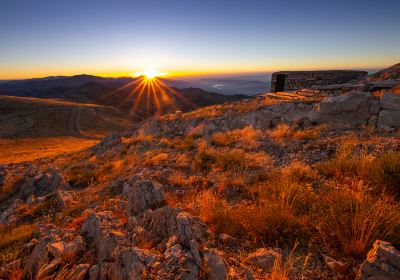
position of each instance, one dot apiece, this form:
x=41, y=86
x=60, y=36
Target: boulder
x=110, y=141
x=214, y=265
x=346, y=110
x=265, y=258
x=341, y=269
x=128, y=265
x=383, y=262
x=145, y=194
x=42, y=184
x=390, y=101
x=389, y=119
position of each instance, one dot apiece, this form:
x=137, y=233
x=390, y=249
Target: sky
x=119, y=37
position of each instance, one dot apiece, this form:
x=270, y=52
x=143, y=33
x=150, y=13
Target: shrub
x=347, y=163
x=231, y=159
x=309, y=133
x=80, y=176
x=204, y=159
x=216, y=211
x=351, y=222
x=246, y=137
x=385, y=172
x=280, y=132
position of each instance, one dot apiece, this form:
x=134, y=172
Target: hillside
x=34, y=127
x=390, y=73
x=257, y=189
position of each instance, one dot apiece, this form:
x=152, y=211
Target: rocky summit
x=296, y=185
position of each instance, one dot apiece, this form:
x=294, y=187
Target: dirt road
x=72, y=125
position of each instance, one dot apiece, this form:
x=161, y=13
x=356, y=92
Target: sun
x=149, y=74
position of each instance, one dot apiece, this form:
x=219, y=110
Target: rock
x=341, y=269
x=63, y=199
x=107, y=245
x=42, y=184
x=375, y=107
x=145, y=194
x=265, y=258
x=128, y=265
x=214, y=265
x=389, y=119
x=8, y=215
x=247, y=272
x=94, y=272
x=383, y=262
x=390, y=101
x=3, y=174
x=110, y=141
x=35, y=256
x=346, y=110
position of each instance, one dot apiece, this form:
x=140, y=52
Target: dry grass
x=157, y=159
x=247, y=137
x=348, y=162
x=312, y=133
x=12, y=238
x=281, y=132
x=351, y=222
x=28, y=149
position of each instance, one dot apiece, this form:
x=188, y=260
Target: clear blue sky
x=54, y=37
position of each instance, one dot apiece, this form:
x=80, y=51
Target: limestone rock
x=41, y=184
x=341, y=269
x=110, y=141
x=389, y=119
x=383, y=262
x=265, y=258
x=390, y=101
x=347, y=110
x=128, y=265
x=145, y=194
x=215, y=265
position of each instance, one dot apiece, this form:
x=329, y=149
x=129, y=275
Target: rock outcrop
x=383, y=262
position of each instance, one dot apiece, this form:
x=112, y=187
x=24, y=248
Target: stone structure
x=295, y=80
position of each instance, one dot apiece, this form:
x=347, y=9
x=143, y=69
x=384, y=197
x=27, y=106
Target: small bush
x=80, y=176
x=204, y=159
x=217, y=213
x=385, y=172
x=351, y=222
x=246, y=137
x=347, y=163
x=312, y=133
x=280, y=132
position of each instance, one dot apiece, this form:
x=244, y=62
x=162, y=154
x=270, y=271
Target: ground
x=224, y=191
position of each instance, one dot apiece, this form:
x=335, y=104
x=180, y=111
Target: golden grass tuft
x=247, y=137
x=351, y=222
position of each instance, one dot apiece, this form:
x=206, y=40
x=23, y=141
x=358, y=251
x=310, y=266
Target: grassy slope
x=32, y=128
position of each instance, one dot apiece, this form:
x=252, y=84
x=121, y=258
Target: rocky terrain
x=295, y=187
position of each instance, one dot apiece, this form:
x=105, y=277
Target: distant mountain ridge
x=125, y=93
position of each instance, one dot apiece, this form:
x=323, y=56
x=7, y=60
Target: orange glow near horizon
x=150, y=92
x=187, y=71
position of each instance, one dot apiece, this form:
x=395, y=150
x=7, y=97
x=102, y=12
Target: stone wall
x=295, y=80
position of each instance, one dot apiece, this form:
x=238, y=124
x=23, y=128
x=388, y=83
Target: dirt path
x=72, y=125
